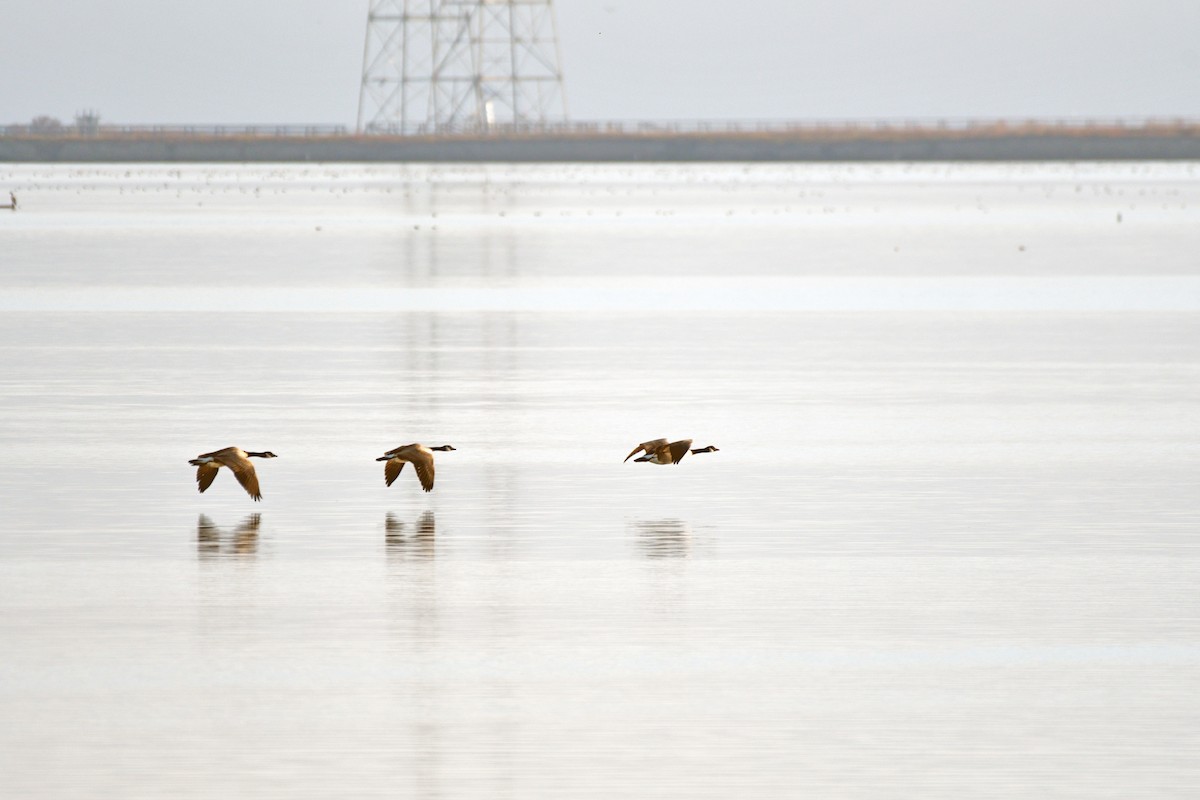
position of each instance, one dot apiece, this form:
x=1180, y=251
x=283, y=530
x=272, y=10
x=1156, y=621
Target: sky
x=252, y=61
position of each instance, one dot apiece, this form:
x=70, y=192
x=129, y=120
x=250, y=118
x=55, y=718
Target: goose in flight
x=660, y=451
x=420, y=456
x=238, y=460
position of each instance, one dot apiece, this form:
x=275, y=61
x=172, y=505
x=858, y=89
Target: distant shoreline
x=994, y=142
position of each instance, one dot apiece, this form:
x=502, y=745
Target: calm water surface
x=948, y=547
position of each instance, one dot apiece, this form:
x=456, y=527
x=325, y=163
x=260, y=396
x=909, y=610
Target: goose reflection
x=664, y=538
x=418, y=540
x=242, y=542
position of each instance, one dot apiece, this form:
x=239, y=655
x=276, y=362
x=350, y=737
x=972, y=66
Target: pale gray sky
x=229, y=61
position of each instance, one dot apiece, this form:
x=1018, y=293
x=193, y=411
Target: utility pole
x=460, y=66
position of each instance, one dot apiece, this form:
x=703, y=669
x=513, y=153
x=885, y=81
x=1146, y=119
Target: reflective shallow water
x=946, y=548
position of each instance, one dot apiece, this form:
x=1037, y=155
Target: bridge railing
x=1063, y=125
x=205, y=131
x=812, y=126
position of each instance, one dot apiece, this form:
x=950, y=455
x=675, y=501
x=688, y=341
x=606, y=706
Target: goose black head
x=709, y=449
x=444, y=448
x=267, y=454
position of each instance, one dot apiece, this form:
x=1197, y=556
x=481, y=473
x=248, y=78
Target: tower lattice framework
x=460, y=66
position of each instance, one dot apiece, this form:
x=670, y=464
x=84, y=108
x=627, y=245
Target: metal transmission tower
x=453, y=66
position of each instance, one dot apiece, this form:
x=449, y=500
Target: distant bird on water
x=237, y=460
x=420, y=456
x=660, y=451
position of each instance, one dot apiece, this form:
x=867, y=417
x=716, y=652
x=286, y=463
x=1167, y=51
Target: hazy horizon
x=225, y=62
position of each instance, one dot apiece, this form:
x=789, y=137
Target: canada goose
x=660, y=451
x=420, y=456
x=237, y=460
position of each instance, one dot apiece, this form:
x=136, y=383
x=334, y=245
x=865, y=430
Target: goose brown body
x=420, y=456
x=660, y=451
x=237, y=460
